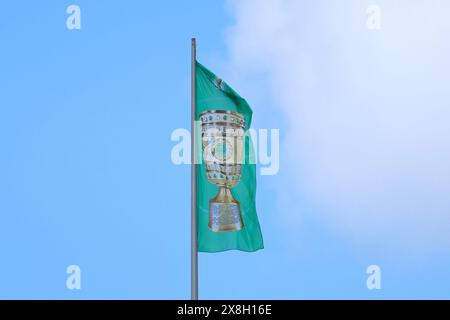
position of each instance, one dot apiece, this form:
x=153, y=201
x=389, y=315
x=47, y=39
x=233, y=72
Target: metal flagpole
x=194, y=253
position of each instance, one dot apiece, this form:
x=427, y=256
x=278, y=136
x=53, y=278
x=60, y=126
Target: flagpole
x=194, y=252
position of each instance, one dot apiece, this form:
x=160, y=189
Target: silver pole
x=194, y=253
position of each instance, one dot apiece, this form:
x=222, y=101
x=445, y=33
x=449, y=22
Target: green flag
x=226, y=176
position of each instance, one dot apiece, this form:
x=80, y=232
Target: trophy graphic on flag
x=223, y=145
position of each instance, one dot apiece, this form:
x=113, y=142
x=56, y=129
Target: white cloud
x=367, y=113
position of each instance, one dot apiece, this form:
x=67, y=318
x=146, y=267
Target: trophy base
x=224, y=213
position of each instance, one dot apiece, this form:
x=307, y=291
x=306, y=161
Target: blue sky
x=86, y=176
